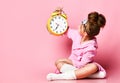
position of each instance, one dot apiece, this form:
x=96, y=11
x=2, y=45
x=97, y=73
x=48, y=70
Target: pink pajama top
x=82, y=53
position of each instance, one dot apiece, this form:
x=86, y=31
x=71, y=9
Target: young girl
x=80, y=63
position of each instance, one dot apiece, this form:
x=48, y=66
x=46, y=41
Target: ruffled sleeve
x=72, y=34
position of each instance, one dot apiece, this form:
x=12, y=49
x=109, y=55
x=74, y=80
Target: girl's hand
x=58, y=9
x=66, y=31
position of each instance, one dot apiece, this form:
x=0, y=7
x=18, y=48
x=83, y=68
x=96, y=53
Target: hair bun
x=101, y=20
x=93, y=17
x=96, y=18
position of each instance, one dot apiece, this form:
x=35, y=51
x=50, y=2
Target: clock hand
x=56, y=26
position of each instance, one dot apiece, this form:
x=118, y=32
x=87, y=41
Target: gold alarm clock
x=57, y=23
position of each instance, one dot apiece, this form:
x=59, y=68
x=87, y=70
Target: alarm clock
x=57, y=23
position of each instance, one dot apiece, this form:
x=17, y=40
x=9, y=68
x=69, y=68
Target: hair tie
x=84, y=21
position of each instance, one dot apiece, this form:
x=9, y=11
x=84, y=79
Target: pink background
x=28, y=51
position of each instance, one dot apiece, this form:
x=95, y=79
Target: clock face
x=58, y=24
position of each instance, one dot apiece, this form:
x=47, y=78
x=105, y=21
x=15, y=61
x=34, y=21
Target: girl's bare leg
x=86, y=71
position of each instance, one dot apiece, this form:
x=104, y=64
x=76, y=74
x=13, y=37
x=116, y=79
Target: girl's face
x=82, y=28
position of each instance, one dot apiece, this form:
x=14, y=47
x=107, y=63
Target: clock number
x=52, y=19
x=59, y=17
x=56, y=31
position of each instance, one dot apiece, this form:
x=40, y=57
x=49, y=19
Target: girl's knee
x=64, y=60
x=59, y=65
x=58, y=61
